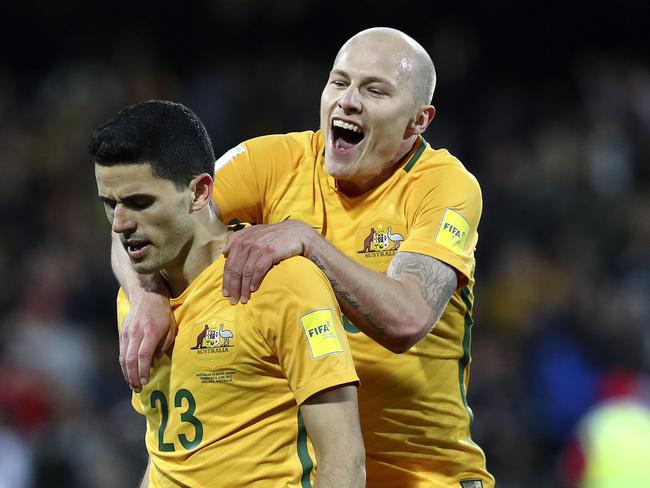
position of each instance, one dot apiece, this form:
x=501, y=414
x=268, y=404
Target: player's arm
x=331, y=418
x=149, y=323
x=396, y=309
x=145, y=477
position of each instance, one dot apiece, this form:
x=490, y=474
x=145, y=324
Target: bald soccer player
x=393, y=224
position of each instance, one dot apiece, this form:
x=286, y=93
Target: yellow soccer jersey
x=222, y=409
x=414, y=414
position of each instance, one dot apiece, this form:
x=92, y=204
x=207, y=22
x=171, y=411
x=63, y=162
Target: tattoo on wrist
x=345, y=296
x=317, y=262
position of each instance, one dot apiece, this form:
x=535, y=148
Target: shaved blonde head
x=409, y=55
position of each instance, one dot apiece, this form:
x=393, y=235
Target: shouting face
x=371, y=111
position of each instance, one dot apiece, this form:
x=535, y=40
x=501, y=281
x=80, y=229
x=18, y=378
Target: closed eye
x=138, y=202
x=133, y=202
x=108, y=203
x=377, y=91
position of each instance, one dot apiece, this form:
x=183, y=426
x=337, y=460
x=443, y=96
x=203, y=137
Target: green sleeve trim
x=303, y=454
x=467, y=340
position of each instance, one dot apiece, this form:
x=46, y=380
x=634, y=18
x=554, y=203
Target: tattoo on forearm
x=345, y=297
x=437, y=280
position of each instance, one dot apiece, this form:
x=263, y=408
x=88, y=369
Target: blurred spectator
x=611, y=447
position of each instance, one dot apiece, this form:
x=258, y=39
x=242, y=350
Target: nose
x=350, y=100
x=123, y=221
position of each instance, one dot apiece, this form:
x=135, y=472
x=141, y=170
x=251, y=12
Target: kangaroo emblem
x=368, y=242
x=200, y=337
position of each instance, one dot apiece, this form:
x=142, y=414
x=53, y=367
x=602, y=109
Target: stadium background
x=547, y=103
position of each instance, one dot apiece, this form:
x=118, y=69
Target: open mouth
x=346, y=135
x=136, y=249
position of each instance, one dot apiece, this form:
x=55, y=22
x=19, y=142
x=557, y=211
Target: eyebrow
x=367, y=79
x=127, y=199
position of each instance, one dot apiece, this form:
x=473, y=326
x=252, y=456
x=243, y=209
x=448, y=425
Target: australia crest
x=378, y=242
x=214, y=340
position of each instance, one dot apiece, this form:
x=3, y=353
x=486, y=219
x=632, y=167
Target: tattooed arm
x=435, y=280
x=396, y=309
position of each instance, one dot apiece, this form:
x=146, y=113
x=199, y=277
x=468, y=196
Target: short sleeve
x=123, y=308
x=301, y=322
x=248, y=175
x=137, y=404
x=236, y=188
x=446, y=221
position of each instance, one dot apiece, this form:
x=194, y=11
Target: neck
x=358, y=186
x=204, y=248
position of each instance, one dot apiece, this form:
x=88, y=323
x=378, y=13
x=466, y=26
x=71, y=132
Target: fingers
x=251, y=252
x=263, y=265
x=145, y=356
x=133, y=339
x=148, y=322
x=249, y=257
x=247, y=274
x=232, y=272
x=258, y=264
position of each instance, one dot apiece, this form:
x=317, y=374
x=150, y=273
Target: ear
x=201, y=191
x=421, y=121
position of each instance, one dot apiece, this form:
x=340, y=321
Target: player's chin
x=145, y=266
x=340, y=167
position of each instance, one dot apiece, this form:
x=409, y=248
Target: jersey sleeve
x=301, y=323
x=446, y=221
x=123, y=308
x=246, y=176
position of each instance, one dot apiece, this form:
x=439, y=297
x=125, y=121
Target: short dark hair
x=167, y=135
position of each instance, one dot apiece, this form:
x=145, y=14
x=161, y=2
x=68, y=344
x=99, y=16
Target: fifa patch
x=453, y=231
x=471, y=484
x=320, y=332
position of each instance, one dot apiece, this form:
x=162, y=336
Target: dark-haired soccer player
x=393, y=224
x=233, y=403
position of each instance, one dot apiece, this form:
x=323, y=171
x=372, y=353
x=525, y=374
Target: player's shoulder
x=439, y=160
x=284, y=148
x=292, y=141
x=439, y=167
x=296, y=275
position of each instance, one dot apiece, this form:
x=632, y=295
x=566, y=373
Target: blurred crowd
x=563, y=279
